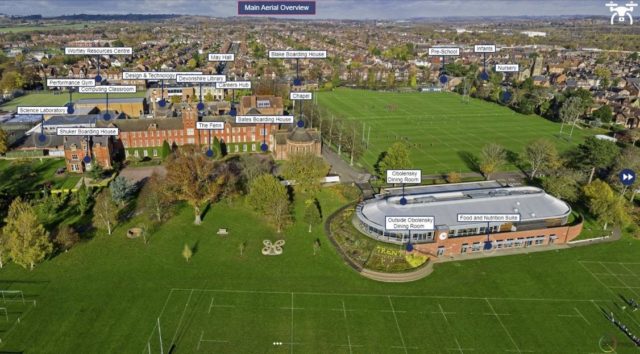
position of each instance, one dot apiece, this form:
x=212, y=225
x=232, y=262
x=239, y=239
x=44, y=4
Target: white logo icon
x=621, y=11
x=627, y=177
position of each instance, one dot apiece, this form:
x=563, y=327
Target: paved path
x=340, y=167
x=137, y=174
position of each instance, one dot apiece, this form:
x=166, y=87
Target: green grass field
x=25, y=176
x=107, y=294
x=49, y=99
x=442, y=130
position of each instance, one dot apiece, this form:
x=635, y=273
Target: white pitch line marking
x=393, y=311
x=503, y=326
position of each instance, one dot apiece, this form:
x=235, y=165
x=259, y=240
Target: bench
x=222, y=232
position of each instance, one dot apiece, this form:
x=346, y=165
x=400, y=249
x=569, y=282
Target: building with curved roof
x=543, y=219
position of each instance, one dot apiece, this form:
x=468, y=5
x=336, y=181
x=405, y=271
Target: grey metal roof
x=530, y=202
x=72, y=119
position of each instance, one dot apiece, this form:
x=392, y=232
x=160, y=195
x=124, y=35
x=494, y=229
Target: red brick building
x=543, y=219
x=99, y=149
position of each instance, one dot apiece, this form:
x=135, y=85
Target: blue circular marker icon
x=42, y=138
x=106, y=116
x=297, y=82
x=488, y=245
x=200, y=106
x=98, y=78
x=70, y=109
x=233, y=112
x=264, y=147
x=209, y=153
x=403, y=201
x=300, y=124
x=505, y=96
x=443, y=79
x=484, y=76
x=409, y=247
x=162, y=102
x=627, y=177
x=87, y=159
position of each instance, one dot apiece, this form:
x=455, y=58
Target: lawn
x=108, y=294
x=50, y=99
x=28, y=175
x=443, y=132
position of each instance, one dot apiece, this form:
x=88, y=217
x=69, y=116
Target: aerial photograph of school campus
x=320, y=176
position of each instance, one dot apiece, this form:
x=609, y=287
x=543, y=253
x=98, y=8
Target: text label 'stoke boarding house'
x=531, y=218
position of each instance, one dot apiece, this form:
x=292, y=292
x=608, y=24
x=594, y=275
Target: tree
x=96, y=171
x=192, y=63
x=306, y=169
x=540, y=154
x=11, y=81
x=492, y=157
x=208, y=97
x=270, y=198
x=83, y=198
x=105, y=212
x=634, y=135
x=155, y=202
x=396, y=158
x=194, y=178
x=254, y=165
x=604, y=114
x=4, y=142
x=66, y=237
x=316, y=246
x=27, y=240
x=4, y=249
x=570, y=111
x=605, y=205
x=121, y=190
x=166, y=150
x=454, y=177
x=563, y=184
x=596, y=154
x=187, y=253
x=312, y=212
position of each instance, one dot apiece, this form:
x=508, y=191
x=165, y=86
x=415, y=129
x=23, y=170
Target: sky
x=337, y=9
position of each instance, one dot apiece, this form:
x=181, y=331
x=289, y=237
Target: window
x=464, y=248
x=499, y=244
x=519, y=242
x=135, y=153
x=237, y=148
x=552, y=238
x=74, y=167
x=539, y=240
x=190, y=131
x=244, y=148
x=145, y=152
x=74, y=157
x=155, y=152
x=253, y=147
x=476, y=247
x=508, y=243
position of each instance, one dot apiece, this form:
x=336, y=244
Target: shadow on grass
x=470, y=160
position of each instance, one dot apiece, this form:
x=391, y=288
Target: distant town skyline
x=326, y=9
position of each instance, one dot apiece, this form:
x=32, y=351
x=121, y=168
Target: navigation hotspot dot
x=300, y=124
x=209, y=153
x=409, y=247
x=70, y=109
x=200, y=106
x=443, y=79
x=162, y=103
x=233, y=112
x=484, y=76
x=506, y=96
x=42, y=138
x=106, y=116
x=87, y=159
x=403, y=201
x=297, y=82
x=98, y=78
x=264, y=147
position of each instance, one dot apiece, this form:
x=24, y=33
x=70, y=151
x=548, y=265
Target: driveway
x=137, y=174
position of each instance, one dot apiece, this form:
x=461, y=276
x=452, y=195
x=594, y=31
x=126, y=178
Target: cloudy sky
x=341, y=9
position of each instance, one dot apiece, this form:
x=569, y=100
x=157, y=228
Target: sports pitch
x=228, y=321
x=441, y=130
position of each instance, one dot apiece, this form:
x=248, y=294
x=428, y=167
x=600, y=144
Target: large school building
x=544, y=219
